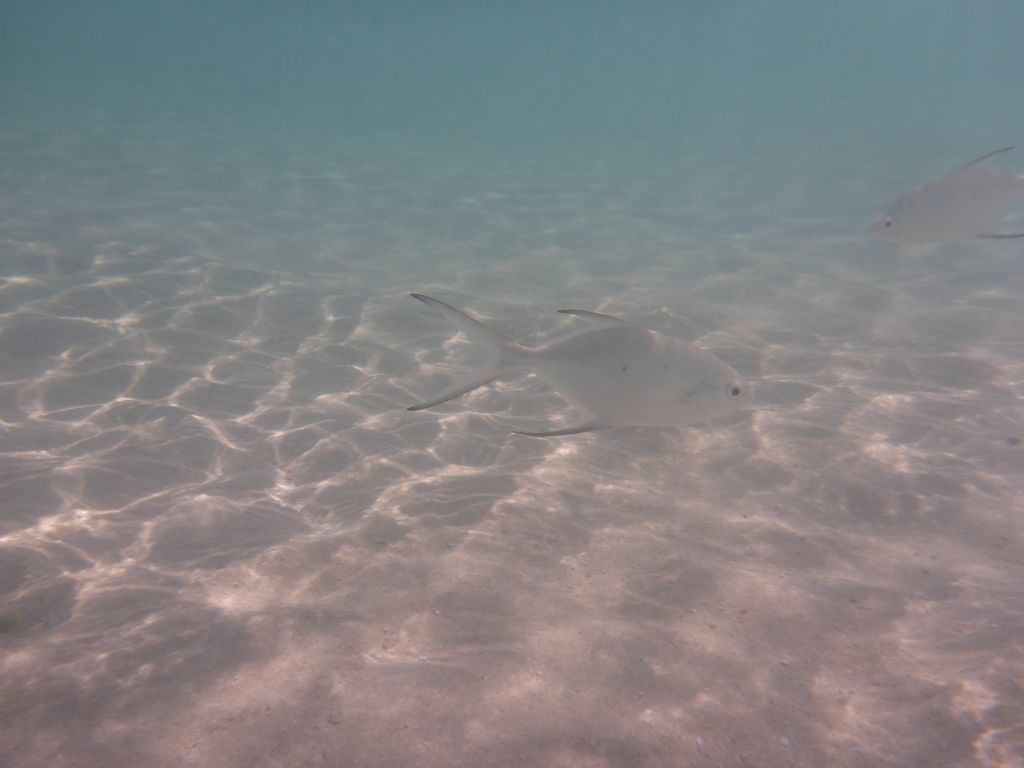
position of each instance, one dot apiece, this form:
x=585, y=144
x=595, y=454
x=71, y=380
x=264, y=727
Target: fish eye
x=888, y=223
x=735, y=391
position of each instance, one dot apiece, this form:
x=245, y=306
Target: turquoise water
x=225, y=542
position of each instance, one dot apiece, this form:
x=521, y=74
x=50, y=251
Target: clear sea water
x=225, y=542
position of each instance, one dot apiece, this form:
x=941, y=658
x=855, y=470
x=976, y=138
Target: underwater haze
x=224, y=541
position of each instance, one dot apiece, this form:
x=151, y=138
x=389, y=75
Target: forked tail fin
x=501, y=353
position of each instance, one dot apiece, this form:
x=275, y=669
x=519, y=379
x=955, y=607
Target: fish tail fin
x=502, y=359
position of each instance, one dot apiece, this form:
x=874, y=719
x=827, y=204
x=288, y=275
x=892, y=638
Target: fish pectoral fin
x=1003, y=235
x=589, y=426
x=596, y=319
x=983, y=158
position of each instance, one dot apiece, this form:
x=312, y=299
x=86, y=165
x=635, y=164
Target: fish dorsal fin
x=983, y=158
x=596, y=319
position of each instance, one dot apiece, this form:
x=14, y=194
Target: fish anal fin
x=1003, y=235
x=594, y=318
x=590, y=426
x=983, y=158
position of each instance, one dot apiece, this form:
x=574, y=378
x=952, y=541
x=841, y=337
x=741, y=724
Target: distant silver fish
x=969, y=202
x=616, y=373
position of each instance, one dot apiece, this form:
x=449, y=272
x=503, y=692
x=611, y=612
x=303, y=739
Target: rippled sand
x=223, y=542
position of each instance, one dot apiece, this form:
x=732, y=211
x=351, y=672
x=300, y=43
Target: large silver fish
x=616, y=373
x=969, y=202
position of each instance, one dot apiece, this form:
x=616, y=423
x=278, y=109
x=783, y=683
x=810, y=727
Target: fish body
x=617, y=374
x=968, y=202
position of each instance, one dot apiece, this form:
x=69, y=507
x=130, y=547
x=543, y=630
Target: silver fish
x=969, y=202
x=617, y=374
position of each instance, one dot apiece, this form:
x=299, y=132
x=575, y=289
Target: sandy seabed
x=224, y=542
